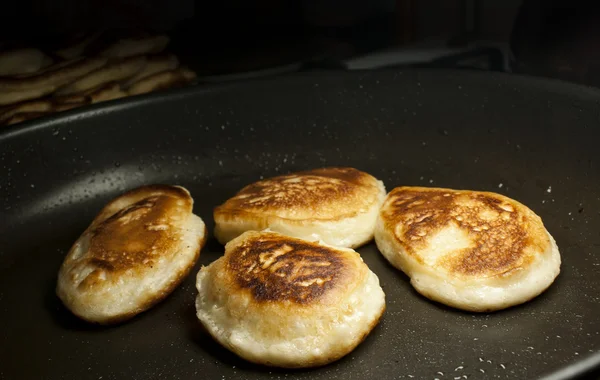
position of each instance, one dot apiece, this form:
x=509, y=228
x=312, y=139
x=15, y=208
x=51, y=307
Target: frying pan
x=531, y=139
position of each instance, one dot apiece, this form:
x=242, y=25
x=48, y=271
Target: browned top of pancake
x=503, y=234
x=273, y=267
x=327, y=193
x=137, y=228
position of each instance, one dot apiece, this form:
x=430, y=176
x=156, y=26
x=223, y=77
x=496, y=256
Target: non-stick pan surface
x=533, y=140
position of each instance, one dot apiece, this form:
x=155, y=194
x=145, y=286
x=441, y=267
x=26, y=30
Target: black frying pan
x=533, y=140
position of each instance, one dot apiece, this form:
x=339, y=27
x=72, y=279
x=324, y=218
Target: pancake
x=156, y=64
x=336, y=205
x=59, y=107
x=116, y=71
x=52, y=76
x=22, y=61
x=24, y=116
x=161, y=81
x=7, y=113
x=8, y=98
x=285, y=302
x=476, y=251
x=19, y=89
x=105, y=92
x=134, y=254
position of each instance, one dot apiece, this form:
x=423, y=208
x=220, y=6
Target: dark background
x=550, y=38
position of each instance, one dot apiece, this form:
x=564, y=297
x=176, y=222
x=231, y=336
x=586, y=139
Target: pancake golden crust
x=139, y=194
x=467, y=240
x=498, y=228
x=335, y=205
x=284, y=302
x=135, y=236
x=135, y=252
x=314, y=194
x=280, y=269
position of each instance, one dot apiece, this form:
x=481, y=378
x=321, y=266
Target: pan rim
x=575, y=370
x=90, y=111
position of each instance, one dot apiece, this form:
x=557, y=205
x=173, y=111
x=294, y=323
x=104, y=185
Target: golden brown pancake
x=135, y=252
x=477, y=251
x=336, y=205
x=286, y=302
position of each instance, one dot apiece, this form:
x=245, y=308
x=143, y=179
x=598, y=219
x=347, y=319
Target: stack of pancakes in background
x=89, y=69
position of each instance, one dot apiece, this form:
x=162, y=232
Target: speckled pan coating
x=532, y=140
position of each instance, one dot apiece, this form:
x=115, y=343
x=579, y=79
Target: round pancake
x=134, y=254
x=286, y=302
x=338, y=206
x=476, y=251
